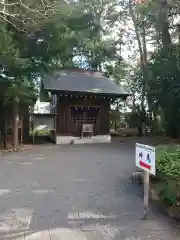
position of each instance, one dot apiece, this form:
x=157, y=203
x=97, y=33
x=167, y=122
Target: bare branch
x=8, y=4
x=7, y=20
x=3, y=12
x=30, y=9
x=23, y=12
x=23, y=5
x=43, y=4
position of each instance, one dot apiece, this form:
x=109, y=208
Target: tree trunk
x=5, y=133
x=164, y=23
x=141, y=39
x=15, y=124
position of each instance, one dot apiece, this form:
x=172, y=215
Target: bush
x=168, y=161
x=168, y=171
x=168, y=191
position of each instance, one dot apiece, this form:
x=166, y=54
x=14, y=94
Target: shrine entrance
x=84, y=118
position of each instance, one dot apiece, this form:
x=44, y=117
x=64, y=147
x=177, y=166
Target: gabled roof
x=81, y=81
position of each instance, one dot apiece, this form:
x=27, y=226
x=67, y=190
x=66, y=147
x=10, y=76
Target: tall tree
x=97, y=48
x=31, y=52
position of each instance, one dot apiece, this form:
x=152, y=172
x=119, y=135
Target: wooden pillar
x=69, y=124
x=63, y=118
x=103, y=118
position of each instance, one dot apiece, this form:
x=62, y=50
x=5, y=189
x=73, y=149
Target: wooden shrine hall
x=80, y=102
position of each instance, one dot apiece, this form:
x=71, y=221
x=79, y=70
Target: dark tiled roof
x=82, y=82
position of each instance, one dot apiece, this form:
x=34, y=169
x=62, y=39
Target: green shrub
x=168, y=161
x=168, y=170
x=168, y=191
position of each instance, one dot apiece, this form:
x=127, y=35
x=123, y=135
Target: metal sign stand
x=146, y=193
x=146, y=160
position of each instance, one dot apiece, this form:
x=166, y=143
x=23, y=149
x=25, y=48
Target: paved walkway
x=75, y=193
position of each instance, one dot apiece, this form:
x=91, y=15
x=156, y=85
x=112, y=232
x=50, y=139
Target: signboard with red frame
x=145, y=158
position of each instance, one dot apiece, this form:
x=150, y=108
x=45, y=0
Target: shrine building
x=80, y=104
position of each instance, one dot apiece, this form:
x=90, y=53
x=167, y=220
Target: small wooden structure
x=42, y=122
x=81, y=103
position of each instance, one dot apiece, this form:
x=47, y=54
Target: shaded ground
x=75, y=192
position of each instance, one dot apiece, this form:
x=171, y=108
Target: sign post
x=145, y=159
x=146, y=193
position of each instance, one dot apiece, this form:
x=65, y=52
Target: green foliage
x=168, y=161
x=164, y=87
x=25, y=56
x=161, y=89
x=115, y=117
x=157, y=72
x=119, y=71
x=169, y=191
x=94, y=47
x=168, y=170
x=21, y=90
x=133, y=119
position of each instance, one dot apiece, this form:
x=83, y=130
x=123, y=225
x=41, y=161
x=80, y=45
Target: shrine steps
x=85, y=140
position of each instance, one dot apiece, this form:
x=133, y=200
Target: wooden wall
x=64, y=124
x=7, y=118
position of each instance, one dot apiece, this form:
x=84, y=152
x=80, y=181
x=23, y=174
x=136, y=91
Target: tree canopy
x=135, y=42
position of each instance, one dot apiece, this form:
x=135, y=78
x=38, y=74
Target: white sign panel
x=145, y=158
x=87, y=128
x=44, y=122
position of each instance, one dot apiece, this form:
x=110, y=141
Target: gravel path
x=75, y=193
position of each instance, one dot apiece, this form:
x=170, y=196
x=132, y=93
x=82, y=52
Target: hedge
x=168, y=172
